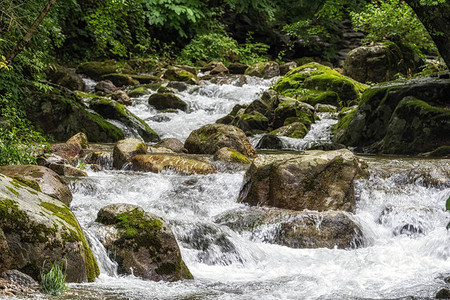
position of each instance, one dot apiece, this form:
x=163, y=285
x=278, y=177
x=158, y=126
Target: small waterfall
x=105, y=264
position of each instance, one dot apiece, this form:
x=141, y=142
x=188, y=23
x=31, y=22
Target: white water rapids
x=400, y=209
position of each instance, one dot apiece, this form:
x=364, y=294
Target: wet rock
x=142, y=243
x=325, y=146
x=380, y=62
x=264, y=70
x=314, y=83
x=163, y=101
x=314, y=180
x=102, y=158
x=237, y=68
x=18, y=277
x=139, y=91
x=407, y=117
x=145, y=79
x=65, y=77
x=325, y=108
x=95, y=69
x=178, y=86
x=67, y=170
x=296, y=229
x=178, y=74
x=157, y=163
x=219, y=68
x=121, y=97
x=289, y=66
x=230, y=155
x=63, y=115
x=290, y=111
x=113, y=110
x=296, y=130
x=79, y=138
x=120, y=79
x=443, y=294
x=105, y=86
x=210, y=138
x=67, y=151
x=172, y=144
x=40, y=229
x=41, y=179
x=125, y=149
x=165, y=89
x=6, y=257
x=270, y=141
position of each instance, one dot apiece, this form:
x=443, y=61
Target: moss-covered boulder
x=41, y=179
x=95, y=69
x=270, y=141
x=264, y=70
x=314, y=180
x=295, y=130
x=314, y=83
x=120, y=79
x=65, y=77
x=157, y=163
x=381, y=62
x=142, y=244
x=290, y=111
x=230, y=155
x=111, y=109
x=296, y=229
x=125, y=149
x=210, y=138
x=105, y=87
x=139, y=91
x=41, y=229
x=178, y=74
x=63, y=115
x=237, y=68
x=145, y=79
x=408, y=117
x=121, y=97
x=163, y=101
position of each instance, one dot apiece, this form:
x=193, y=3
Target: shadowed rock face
x=210, y=138
x=315, y=180
x=142, y=244
x=38, y=228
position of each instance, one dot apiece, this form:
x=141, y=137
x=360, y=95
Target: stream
x=400, y=209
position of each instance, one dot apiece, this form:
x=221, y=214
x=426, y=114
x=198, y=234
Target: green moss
x=175, y=268
x=140, y=91
x=96, y=69
x=30, y=183
x=344, y=121
x=111, y=130
x=144, y=79
x=238, y=157
x=13, y=191
x=295, y=130
x=64, y=213
x=177, y=74
x=441, y=151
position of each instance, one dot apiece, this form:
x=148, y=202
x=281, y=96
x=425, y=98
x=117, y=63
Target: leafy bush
x=393, y=20
x=54, y=281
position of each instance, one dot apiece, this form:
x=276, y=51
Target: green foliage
x=54, y=281
x=447, y=205
x=393, y=20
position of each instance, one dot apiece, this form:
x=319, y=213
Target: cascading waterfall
x=400, y=210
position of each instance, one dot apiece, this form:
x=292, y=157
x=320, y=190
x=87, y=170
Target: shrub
x=54, y=281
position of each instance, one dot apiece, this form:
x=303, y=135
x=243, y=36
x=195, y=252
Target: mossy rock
x=95, y=69
x=157, y=163
x=250, y=122
x=139, y=91
x=296, y=130
x=120, y=79
x=145, y=79
x=111, y=109
x=442, y=151
x=65, y=77
x=394, y=118
x=163, y=101
x=293, y=108
x=39, y=230
x=230, y=155
x=311, y=80
x=210, y=138
x=264, y=70
x=270, y=141
x=143, y=244
x=125, y=149
x=178, y=74
x=63, y=115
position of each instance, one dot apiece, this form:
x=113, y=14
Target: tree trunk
x=29, y=34
x=436, y=19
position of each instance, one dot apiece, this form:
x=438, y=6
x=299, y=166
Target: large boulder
x=105, y=86
x=230, y=155
x=313, y=180
x=41, y=179
x=120, y=79
x=40, y=230
x=380, y=62
x=142, y=244
x=296, y=229
x=63, y=115
x=163, y=101
x=125, y=149
x=399, y=118
x=290, y=110
x=95, y=69
x=264, y=70
x=159, y=162
x=113, y=110
x=171, y=143
x=210, y=138
x=314, y=83
x=65, y=77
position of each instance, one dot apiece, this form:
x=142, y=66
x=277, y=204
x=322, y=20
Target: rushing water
x=400, y=209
